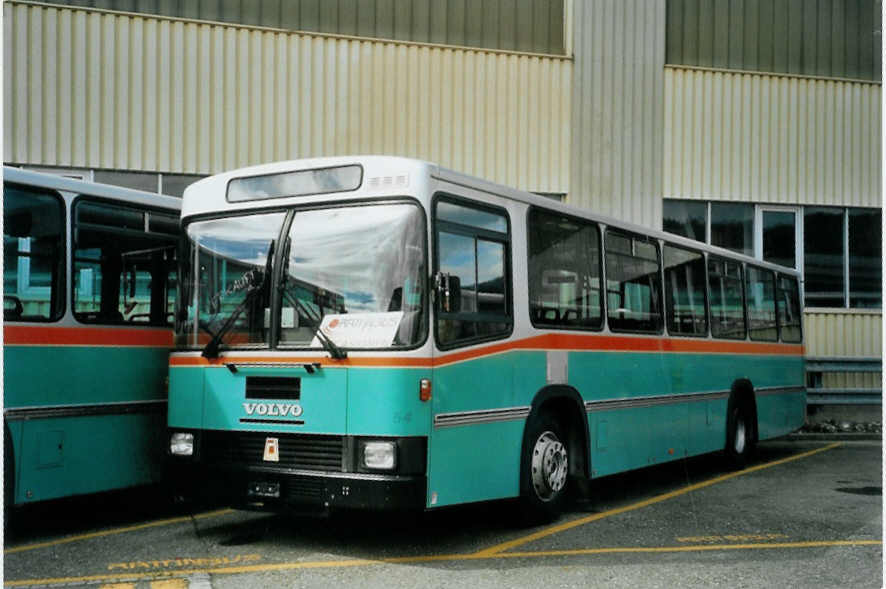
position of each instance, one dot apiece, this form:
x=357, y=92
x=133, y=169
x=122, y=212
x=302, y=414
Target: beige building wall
x=769, y=138
x=617, y=143
x=94, y=89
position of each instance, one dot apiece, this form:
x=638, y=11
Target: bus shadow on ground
x=458, y=529
x=461, y=529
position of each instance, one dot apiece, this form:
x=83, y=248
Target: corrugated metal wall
x=775, y=139
x=521, y=25
x=845, y=334
x=99, y=90
x=835, y=38
x=618, y=90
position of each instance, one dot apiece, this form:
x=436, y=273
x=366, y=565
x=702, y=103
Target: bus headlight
x=380, y=455
x=181, y=444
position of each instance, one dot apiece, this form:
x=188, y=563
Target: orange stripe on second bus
x=549, y=341
x=41, y=335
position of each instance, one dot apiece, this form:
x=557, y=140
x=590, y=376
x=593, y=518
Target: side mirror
x=448, y=289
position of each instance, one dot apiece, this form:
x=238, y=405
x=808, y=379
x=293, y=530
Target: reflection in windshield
x=354, y=273
x=228, y=261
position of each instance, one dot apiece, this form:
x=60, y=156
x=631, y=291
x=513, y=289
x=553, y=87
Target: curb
x=836, y=437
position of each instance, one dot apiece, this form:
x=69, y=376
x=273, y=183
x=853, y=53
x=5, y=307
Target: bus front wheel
x=544, y=469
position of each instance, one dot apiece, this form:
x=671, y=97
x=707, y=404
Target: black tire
x=741, y=435
x=544, y=469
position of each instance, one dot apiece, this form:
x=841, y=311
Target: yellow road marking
x=657, y=499
x=170, y=584
x=328, y=564
x=154, y=524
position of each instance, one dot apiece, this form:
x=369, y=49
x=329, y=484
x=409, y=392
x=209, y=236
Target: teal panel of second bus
x=77, y=455
x=64, y=375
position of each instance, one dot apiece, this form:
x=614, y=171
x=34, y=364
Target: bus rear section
x=89, y=280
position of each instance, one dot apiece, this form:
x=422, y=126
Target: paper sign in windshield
x=361, y=330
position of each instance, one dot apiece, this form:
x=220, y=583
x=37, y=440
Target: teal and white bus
x=379, y=332
x=89, y=279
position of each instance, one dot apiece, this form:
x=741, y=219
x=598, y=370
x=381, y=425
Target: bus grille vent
x=302, y=451
x=273, y=387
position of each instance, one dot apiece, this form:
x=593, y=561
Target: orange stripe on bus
x=550, y=341
x=18, y=335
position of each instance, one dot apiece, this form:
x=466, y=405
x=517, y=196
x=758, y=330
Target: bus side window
x=564, y=271
x=123, y=264
x=472, y=246
x=790, y=317
x=760, y=297
x=33, y=254
x=685, y=291
x=633, y=283
x=725, y=296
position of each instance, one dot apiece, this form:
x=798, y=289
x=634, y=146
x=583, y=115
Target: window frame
x=667, y=310
x=506, y=239
x=59, y=310
x=602, y=280
x=744, y=306
x=778, y=317
x=174, y=245
x=773, y=276
x=657, y=244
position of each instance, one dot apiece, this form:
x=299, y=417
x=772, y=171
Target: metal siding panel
x=618, y=98
x=187, y=97
x=491, y=35
x=843, y=334
x=455, y=22
x=720, y=27
x=765, y=138
x=136, y=117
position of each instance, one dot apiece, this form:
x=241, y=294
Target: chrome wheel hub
x=550, y=465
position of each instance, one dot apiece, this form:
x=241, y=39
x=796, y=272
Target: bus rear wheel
x=544, y=469
x=739, y=435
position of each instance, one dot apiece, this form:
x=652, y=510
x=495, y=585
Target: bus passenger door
x=474, y=449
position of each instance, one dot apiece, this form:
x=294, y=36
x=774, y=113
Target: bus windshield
x=354, y=273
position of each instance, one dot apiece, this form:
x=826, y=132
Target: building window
x=732, y=227
x=686, y=218
x=865, y=255
x=823, y=254
x=837, y=249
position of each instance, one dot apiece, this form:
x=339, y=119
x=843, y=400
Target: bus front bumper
x=274, y=489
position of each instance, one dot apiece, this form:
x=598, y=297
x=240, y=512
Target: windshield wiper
x=211, y=349
x=336, y=352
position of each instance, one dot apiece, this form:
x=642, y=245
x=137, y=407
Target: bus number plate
x=264, y=489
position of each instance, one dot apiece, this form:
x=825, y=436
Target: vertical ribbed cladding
x=845, y=334
x=767, y=138
x=100, y=90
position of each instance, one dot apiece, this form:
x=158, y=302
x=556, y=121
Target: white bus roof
x=389, y=176
x=109, y=191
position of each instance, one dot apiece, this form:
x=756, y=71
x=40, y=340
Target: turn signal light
x=424, y=391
